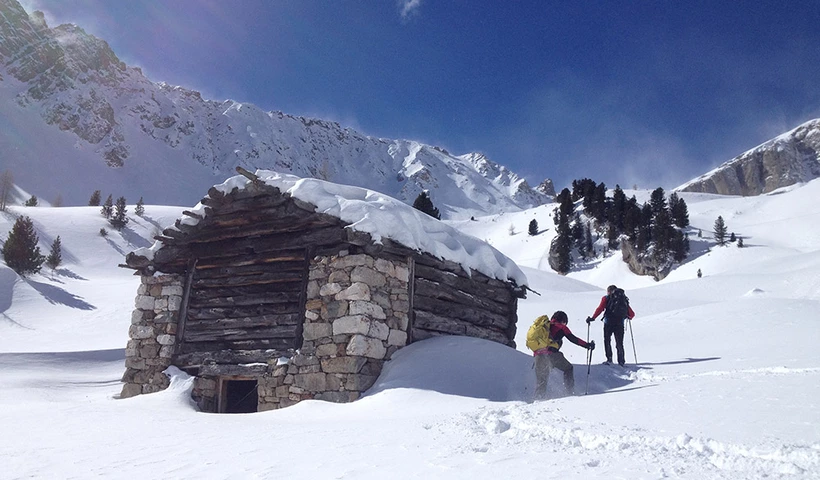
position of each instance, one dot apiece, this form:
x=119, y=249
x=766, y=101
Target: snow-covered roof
x=382, y=217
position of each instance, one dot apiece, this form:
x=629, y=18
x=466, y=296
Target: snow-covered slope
x=68, y=104
x=725, y=384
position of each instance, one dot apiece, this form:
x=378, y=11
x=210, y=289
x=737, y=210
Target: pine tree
x=32, y=202
x=616, y=217
x=644, y=230
x=720, y=231
x=533, y=228
x=140, y=208
x=119, y=219
x=55, y=257
x=576, y=231
x=563, y=245
x=95, y=199
x=6, y=186
x=20, y=251
x=740, y=242
x=108, y=207
x=678, y=211
x=424, y=204
x=612, y=237
x=565, y=206
x=662, y=235
x=632, y=218
x=732, y=237
x=680, y=245
x=657, y=201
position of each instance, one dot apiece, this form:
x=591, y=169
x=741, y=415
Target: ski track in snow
x=645, y=376
x=536, y=430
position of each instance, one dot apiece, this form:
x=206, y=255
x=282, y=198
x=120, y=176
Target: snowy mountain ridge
x=68, y=102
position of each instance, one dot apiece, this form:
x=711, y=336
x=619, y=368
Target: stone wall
x=356, y=316
x=152, y=335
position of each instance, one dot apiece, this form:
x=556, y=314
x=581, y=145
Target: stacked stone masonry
x=152, y=335
x=356, y=316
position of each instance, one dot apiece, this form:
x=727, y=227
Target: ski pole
x=634, y=352
x=589, y=361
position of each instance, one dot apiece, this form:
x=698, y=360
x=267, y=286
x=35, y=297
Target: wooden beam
x=251, y=333
x=472, y=315
x=230, y=356
x=443, y=291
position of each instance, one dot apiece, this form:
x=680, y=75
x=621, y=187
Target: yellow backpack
x=538, y=336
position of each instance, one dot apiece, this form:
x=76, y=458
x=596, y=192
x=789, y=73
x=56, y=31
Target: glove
x=591, y=345
x=590, y=320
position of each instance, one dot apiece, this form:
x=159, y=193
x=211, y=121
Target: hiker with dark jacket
x=615, y=306
x=550, y=357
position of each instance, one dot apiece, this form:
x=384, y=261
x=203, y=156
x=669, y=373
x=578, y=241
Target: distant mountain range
x=74, y=118
x=782, y=161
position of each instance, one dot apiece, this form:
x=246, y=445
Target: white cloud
x=409, y=7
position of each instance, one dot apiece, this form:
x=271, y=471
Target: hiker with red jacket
x=615, y=305
x=550, y=357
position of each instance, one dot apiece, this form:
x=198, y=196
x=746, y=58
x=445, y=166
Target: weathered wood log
x=430, y=321
x=276, y=314
x=241, y=296
x=427, y=260
x=489, y=334
x=248, y=269
x=419, y=334
x=268, y=227
x=191, y=214
x=443, y=291
x=275, y=344
x=262, y=279
x=251, y=333
x=272, y=243
x=476, y=316
x=499, y=292
x=228, y=370
x=235, y=357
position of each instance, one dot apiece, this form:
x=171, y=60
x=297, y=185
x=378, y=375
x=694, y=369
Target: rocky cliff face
x=129, y=130
x=788, y=159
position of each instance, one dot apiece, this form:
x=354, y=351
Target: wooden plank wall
x=243, y=303
x=447, y=302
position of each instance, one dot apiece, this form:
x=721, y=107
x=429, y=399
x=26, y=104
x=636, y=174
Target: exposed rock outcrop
x=788, y=159
x=547, y=188
x=644, y=264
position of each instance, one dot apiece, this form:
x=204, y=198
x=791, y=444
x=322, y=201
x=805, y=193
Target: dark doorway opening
x=239, y=396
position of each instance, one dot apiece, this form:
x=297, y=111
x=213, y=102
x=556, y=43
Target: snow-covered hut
x=276, y=289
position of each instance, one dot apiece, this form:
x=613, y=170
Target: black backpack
x=617, y=305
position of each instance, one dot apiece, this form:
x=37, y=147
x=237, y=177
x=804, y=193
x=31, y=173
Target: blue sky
x=651, y=93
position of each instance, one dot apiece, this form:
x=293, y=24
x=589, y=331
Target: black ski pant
x=616, y=328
